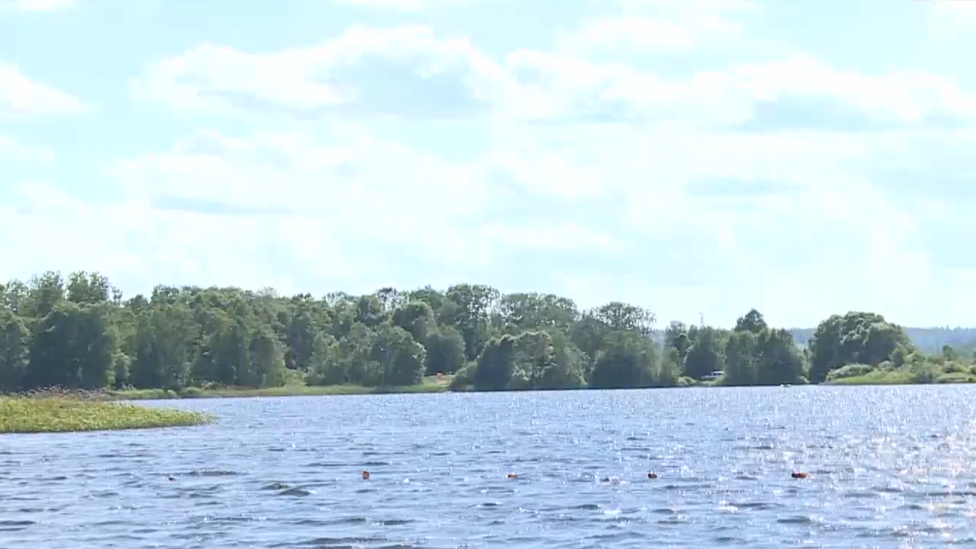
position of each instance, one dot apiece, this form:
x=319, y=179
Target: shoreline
x=355, y=390
x=194, y=393
x=430, y=385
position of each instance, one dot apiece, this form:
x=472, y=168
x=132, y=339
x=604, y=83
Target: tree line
x=79, y=332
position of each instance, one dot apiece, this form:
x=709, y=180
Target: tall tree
x=854, y=338
x=705, y=354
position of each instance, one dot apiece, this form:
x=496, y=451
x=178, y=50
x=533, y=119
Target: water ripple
x=889, y=467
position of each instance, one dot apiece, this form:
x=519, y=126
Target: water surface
x=889, y=467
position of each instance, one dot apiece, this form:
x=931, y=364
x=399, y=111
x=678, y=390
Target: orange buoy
x=799, y=474
x=651, y=474
x=365, y=475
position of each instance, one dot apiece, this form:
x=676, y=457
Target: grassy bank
x=901, y=378
x=65, y=413
x=875, y=378
x=431, y=384
x=917, y=374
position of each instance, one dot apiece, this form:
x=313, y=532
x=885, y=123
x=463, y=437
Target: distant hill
x=927, y=339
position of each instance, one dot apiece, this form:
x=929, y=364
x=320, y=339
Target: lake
x=889, y=467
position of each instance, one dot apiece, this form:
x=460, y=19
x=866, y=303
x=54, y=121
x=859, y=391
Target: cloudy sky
x=690, y=156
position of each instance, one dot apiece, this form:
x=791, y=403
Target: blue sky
x=803, y=158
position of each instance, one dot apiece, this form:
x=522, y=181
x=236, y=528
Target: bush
x=956, y=377
x=685, y=381
x=851, y=370
x=464, y=377
x=924, y=373
x=955, y=368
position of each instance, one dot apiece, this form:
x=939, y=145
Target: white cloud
x=21, y=96
x=408, y=5
x=687, y=8
x=296, y=173
x=629, y=32
x=900, y=95
x=303, y=79
x=951, y=19
x=402, y=5
x=12, y=149
x=348, y=208
x=348, y=188
x=644, y=177
x=527, y=85
x=821, y=217
x=37, y=5
x=569, y=85
x=592, y=157
x=659, y=26
x=304, y=211
x=46, y=228
x=548, y=237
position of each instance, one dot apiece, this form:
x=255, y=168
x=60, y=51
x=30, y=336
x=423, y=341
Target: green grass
x=877, y=377
x=955, y=377
x=431, y=384
x=902, y=377
x=56, y=413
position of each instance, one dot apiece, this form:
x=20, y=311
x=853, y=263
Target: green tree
x=534, y=354
x=741, y=366
x=568, y=367
x=676, y=337
x=14, y=351
x=304, y=319
x=78, y=332
x=398, y=355
x=752, y=321
x=445, y=351
x=495, y=364
x=417, y=318
x=854, y=338
x=356, y=356
x=267, y=359
x=623, y=316
x=45, y=293
x=165, y=346
x=471, y=314
x=74, y=347
x=589, y=334
x=628, y=359
x=778, y=360
x=88, y=288
x=325, y=365
x=672, y=363
x=370, y=311
x=705, y=354
x=520, y=312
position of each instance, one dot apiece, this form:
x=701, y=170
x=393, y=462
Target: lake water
x=889, y=467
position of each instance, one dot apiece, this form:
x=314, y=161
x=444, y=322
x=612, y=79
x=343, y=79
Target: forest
x=80, y=333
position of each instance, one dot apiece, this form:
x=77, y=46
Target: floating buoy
x=365, y=475
x=512, y=475
x=651, y=474
x=799, y=474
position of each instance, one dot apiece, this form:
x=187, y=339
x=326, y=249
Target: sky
x=696, y=157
